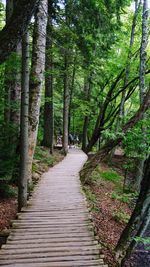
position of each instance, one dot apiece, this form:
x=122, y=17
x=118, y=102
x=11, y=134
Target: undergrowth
x=42, y=154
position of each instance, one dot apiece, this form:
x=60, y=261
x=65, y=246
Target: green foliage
x=122, y=196
x=143, y=240
x=111, y=175
x=135, y=143
x=91, y=199
x=121, y=216
x=7, y=191
x=42, y=154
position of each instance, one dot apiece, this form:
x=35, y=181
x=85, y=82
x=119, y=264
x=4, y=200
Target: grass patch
x=122, y=196
x=111, y=176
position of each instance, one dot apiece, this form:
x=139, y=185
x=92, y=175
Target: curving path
x=54, y=230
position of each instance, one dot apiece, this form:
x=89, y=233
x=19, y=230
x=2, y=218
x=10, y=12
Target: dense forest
x=77, y=73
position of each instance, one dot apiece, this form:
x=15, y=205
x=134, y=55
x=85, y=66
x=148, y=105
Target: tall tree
x=144, y=42
x=48, y=106
x=36, y=77
x=128, y=64
x=87, y=88
x=66, y=88
x=8, y=80
x=23, y=177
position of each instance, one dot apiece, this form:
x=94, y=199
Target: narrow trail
x=54, y=230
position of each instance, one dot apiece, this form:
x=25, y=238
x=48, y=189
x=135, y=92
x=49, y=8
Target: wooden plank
x=59, y=264
x=48, y=236
x=50, y=259
x=79, y=244
x=52, y=240
x=47, y=249
x=47, y=254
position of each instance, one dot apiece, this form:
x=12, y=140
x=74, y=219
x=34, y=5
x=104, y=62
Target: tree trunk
x=8, y=80
x=96, y=159
x=86, y=118
x=71, y=94
x=15, y=95
x=65, y=106
x=127, y=70
x=36, y=77
x=48, y=107
x=102, y=113
x=144, y=42
x=12, y=33
x=12, y=86
x=139, y=218
x=22, y=183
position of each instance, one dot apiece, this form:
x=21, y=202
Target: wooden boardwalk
x=54, y=230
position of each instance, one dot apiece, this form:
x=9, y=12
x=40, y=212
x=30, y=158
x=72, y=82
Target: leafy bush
x=7, y=191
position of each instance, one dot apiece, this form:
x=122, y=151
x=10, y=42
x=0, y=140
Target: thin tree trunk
x=36, y=78
x=86, y=118
x=127, y=70
x=96, y=159
x=15, y=96
x=101, y=117
x=12, y=90
x=71, y=93
x=23, y=177
x=144, y=42
x=8, y=80
x=66, y=106
x=48, y=107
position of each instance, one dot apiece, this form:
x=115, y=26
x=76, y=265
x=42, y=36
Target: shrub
x=7, y=191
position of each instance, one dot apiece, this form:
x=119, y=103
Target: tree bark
x=8, y=80
x=22, y=183
x=144, y=42
x=139, y=219
x=12, y=89
x=127, y=70
x=36, y=78
x=71, y=94
x=48, y=107
x=12, y=33
x=86, y=118
x=65, y=106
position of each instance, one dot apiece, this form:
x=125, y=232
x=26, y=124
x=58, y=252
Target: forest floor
x=110, y=206
x=8, y=205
